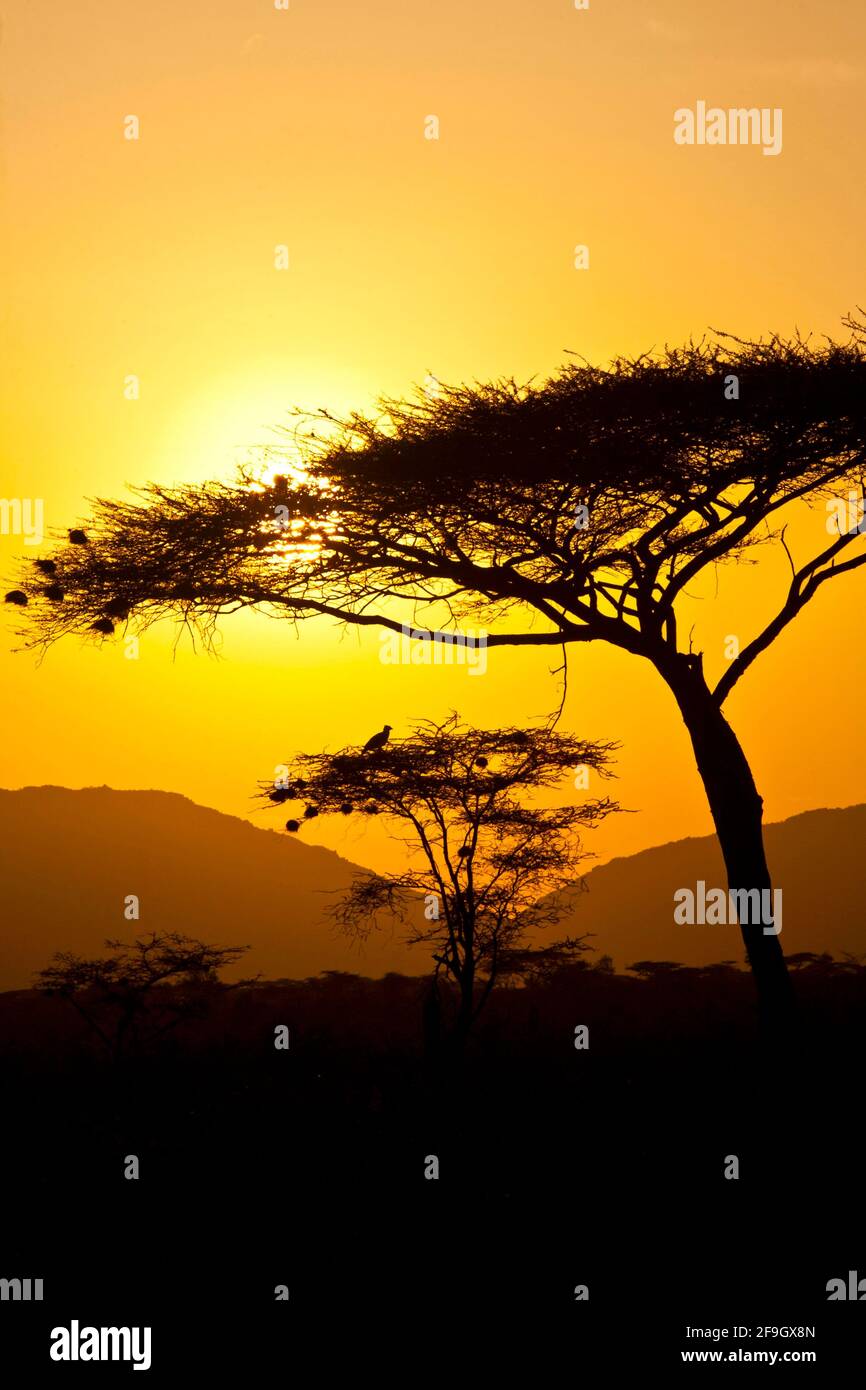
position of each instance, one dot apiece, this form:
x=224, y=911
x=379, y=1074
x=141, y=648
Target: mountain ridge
x=69, y=857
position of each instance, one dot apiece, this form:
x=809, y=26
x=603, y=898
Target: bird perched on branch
x=378, y=740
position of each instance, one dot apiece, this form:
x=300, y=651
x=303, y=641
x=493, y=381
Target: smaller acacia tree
x=486, y=870
x=142, y=990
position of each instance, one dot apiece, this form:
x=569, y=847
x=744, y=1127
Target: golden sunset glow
x=155, y=259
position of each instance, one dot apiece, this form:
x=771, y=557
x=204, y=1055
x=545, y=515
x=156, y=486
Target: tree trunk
x=737, y=812
x=431, y=1016
x=463, y=1022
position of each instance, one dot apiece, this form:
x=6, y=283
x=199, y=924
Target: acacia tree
x=142, y=989
x=578, y=510
x=486, y=871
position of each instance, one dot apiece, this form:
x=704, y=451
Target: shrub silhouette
x=142, y=989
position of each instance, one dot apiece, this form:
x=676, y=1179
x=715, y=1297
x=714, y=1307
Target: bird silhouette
x=378, y=740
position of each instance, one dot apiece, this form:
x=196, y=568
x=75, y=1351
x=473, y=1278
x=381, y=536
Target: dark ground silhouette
x=558, y=1166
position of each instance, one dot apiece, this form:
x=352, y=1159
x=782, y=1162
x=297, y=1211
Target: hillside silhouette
x=68, y=859
x=812, y=858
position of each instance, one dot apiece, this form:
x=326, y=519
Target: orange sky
x=260, y=127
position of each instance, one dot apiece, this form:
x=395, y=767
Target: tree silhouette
x=577, y=510
x=142, y=989
x=486, y=871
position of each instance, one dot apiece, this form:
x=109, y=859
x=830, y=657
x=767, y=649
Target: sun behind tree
x=581, y=509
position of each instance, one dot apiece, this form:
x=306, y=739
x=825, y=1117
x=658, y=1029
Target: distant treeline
x=339, y=1010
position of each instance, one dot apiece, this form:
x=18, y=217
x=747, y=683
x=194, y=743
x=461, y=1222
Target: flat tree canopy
x=471, y=496
x=575, y=510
